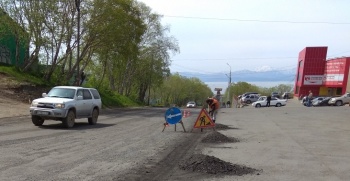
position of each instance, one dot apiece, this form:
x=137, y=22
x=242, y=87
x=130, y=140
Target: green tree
x=154, y=57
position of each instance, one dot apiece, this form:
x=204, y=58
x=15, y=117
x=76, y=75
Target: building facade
x=323, y=77
x=13, y=49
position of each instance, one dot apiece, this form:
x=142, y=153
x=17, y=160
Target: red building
x=323, y=77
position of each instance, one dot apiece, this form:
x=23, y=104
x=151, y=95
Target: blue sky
x=215, y=36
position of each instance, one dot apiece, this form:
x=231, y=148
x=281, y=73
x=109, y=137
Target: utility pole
x=229, y=83
x=77, y=78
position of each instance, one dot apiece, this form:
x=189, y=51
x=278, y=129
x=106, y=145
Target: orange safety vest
x=215, y=103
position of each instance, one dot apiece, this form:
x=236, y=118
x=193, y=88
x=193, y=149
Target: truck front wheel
x=69, y=121
x=37, y=120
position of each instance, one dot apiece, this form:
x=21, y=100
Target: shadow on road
x=77, y=126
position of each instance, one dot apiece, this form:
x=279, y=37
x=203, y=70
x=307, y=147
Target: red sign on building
x=334, y=72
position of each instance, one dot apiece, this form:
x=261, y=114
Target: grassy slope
x=109, y=99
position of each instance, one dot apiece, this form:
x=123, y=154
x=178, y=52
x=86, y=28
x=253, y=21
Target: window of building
x=300, y=63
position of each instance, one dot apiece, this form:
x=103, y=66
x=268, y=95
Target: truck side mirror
x=44, y=95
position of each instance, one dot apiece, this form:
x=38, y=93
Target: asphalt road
x=287, y=143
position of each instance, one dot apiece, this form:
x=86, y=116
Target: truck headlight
x=34, y=103
x=59, y=105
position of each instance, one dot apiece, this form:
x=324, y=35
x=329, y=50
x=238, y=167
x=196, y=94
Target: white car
x=191, y=104
x=262, y=101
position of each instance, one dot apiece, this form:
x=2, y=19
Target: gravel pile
x=222, y=127
x=212, y=165
x=216, y=137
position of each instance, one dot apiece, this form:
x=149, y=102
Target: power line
x=256, y=20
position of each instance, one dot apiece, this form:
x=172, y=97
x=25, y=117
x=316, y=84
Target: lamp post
x=229, y=82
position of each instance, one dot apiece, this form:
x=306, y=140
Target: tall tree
x=155, y=49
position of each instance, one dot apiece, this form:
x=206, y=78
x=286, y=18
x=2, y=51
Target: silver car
x=250, y=98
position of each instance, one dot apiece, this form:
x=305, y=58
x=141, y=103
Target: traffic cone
x=186, y=114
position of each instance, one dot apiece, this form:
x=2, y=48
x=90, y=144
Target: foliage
x=113, y=99
x=125, y=50
x=178, y=90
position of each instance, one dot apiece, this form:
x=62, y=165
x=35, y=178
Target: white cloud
x=264, y=68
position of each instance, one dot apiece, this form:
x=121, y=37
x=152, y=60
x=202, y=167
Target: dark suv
x=275, y=94
x=286, y=95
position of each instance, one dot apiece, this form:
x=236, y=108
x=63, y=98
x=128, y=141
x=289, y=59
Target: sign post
x=204, y=121
x=173, y=116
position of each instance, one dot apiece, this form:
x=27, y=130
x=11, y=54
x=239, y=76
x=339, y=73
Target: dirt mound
x=23, y=93
x=216, y=137
x=212, y=165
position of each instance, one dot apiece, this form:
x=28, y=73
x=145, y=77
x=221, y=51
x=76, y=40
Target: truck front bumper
x=45, y=112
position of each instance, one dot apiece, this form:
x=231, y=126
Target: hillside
x=15, y=96
x=24, y=92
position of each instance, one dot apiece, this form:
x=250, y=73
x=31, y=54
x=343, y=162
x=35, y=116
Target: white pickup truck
x=66, y=103
x=339, y=101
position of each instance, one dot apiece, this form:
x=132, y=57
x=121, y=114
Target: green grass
x=109, y=98
x=22, y=77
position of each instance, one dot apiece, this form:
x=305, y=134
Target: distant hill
x=245, y=75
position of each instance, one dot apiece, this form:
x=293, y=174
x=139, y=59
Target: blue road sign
x=173, y=115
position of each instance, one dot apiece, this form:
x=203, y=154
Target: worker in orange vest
x=214, y=106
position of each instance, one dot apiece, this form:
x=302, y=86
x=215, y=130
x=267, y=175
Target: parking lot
x=293, y=142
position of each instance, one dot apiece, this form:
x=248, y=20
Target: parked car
x=191, y=104
x=315, y=99
x=275, y=94
x=248, y=93
x=321, y=102
x=339, y=101
x=303, y=100
x=286, y=95
x=66, y=103
x=250, y=98
x=262, y=102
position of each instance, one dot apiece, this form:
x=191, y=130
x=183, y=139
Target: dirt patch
x=212, y=165
x=23, y=92
x=216, y=137
x=16, y=97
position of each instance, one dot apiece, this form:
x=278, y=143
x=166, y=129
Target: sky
x=231, y=35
